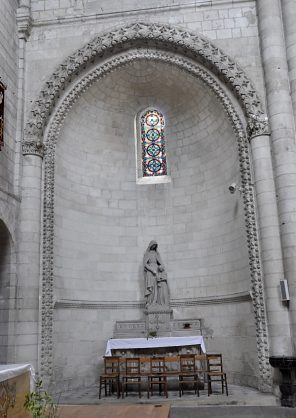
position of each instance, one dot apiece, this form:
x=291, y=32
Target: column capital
x=33, y=148
x=257, y=126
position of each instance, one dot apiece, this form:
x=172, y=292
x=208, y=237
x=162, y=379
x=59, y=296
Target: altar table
x=132, y=343
x=16, y=380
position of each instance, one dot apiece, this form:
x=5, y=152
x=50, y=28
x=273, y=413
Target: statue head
x=152, y=246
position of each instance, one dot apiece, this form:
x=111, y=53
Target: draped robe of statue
x=156, y=286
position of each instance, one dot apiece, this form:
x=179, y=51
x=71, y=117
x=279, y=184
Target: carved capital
x=257, y=126
x=33, y=148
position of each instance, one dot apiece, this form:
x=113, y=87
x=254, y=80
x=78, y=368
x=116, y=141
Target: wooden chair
x=109, y=380
x=132, y=375
x=215, y=372
x=201, y=365
x=188, y=375
x=157, y=375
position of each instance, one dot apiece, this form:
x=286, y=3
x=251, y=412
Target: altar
x=16, y=380
x=131, y=344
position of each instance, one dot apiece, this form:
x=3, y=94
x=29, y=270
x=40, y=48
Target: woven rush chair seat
x=109, y=380
x=216, y=373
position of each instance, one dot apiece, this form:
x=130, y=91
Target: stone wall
x=8, y=75
x=104, y=220
x=6, y=282
x=9, y=200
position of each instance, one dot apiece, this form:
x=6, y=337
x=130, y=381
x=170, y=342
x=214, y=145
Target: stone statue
x=156, y=286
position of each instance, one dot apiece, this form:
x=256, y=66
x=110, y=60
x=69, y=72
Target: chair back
x=111, y=365
x=201, y=363
x=157, y=365
x=214, y=363
x=187, y=363
x=132, y=365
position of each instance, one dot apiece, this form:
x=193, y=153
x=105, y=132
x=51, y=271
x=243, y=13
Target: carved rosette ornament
x=206, y=53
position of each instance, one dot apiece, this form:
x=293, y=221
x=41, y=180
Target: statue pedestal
x=158, y=319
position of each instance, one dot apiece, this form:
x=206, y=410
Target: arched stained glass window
x=153, y=143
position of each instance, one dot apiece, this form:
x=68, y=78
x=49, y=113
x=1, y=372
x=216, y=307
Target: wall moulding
x=48, y=113
x=100, y=304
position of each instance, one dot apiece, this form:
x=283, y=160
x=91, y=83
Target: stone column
x=271, y=252
x=281, y=119
x=24, y=25
x=28, y=274
x=289, y=19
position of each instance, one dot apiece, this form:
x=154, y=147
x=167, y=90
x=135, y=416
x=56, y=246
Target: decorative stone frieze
x=157, y=35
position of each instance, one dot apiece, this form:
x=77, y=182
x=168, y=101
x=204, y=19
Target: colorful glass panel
x=153, y=144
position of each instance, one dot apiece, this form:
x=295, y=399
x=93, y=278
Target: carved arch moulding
x=47, y=104
x=159, y=36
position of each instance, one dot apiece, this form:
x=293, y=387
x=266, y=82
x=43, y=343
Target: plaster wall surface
x=104, y=220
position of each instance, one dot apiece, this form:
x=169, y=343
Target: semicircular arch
x=161, y=37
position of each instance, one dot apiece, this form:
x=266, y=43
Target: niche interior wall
x=104, y=220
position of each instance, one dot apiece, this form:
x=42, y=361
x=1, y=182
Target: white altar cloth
x=9, y=371
x=130, y=343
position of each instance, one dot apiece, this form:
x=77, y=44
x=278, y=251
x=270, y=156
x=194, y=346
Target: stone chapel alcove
x=104, y=220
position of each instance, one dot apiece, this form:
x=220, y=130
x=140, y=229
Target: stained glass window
x=153, y=144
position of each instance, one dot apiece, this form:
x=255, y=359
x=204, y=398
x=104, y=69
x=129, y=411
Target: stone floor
x=238, y=395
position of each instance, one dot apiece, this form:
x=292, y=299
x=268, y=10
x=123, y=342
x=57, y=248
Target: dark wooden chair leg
x=100, y=389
